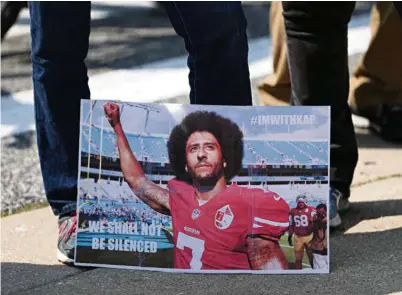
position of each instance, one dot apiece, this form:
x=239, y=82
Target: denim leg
x=215, y=37
x=60, y=39
x=318, y=63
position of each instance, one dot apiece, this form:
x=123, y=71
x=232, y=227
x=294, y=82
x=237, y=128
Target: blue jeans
x=215, y=37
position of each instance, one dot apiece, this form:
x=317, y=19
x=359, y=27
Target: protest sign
x=191, y=188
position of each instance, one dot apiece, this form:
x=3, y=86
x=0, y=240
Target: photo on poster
x=191, y=188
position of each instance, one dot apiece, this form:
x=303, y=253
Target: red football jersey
x=301, y=220
x=213, y=235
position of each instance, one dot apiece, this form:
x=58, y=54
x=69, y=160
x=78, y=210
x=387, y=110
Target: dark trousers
x=215, y=37
x=316, y=35
x=398, y=7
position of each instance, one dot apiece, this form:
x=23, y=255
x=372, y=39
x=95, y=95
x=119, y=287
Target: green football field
x=289, y=253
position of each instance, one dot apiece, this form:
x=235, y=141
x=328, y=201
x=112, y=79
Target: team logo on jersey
x=277, y=198
x=224, y=217
x=196, y=214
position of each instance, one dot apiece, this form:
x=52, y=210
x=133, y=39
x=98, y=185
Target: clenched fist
x=112, y=112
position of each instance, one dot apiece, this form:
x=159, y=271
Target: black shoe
x=67, y=237
x=385, y=119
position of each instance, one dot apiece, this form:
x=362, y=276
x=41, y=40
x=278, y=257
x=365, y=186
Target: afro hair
x=227, y=133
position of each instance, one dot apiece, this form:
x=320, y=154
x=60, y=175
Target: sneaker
x=67, y=235
x=338, y=203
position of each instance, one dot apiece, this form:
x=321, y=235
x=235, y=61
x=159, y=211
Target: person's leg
x=320, y=261
x=376, y=87
x=317, y=35
x=215, y=38
x=309, y=251
x=298, y=248
x=60, y=39
x=275, y=89
x=398, y=7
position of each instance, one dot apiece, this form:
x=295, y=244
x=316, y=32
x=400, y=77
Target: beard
x=208, y=182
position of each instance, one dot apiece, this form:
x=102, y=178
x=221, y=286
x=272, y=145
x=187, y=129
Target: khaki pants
x=377, y=78
x=301, y=243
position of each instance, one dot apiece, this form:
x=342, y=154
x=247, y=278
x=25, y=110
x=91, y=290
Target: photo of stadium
x=117, y=229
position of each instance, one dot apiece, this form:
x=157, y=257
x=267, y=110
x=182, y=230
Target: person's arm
x=150, y=193
x=313, y=215
x=265, y=254
x=268, y=224
x=291, y=230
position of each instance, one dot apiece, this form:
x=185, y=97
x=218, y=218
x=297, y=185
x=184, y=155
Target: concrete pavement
x=365, y=255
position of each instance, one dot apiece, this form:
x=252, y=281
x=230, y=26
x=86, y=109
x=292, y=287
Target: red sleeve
x=177, y=187
x=269, y=215
x=173, y=185
x=291, y=222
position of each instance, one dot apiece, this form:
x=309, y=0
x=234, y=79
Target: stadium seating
x=153, y=149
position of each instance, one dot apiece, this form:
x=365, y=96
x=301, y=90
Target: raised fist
x=112, y=112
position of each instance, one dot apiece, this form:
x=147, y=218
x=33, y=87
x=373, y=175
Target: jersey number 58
x=301, y=220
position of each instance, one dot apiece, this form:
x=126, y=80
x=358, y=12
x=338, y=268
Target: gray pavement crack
x=32, y=289
x=376, y=179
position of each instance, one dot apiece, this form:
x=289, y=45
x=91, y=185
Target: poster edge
x=190, y=271
x=173, y=270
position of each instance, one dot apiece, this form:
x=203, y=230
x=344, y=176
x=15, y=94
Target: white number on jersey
x=301, y=220
x=196, y=246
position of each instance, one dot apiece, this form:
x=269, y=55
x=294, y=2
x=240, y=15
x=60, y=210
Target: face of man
x=322, y=212
x=301, y=205
x=204, y=156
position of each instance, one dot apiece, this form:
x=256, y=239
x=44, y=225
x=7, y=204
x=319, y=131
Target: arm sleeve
x=269, y=215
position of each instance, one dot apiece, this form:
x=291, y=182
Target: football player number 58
x=301, y=220
x=196, y=246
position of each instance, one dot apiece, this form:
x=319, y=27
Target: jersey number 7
x=197, y=248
